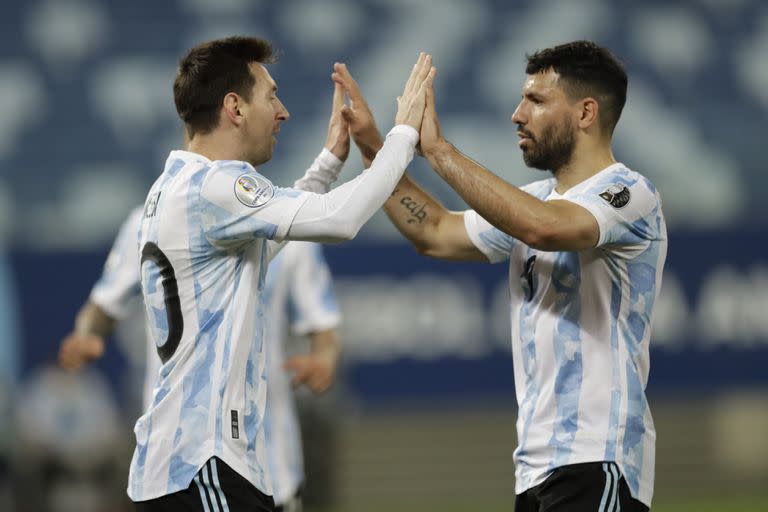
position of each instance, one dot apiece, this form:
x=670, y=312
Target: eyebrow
x=534, y=95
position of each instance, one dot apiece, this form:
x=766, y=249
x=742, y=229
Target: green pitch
x=756, y=504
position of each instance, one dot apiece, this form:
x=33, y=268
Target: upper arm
x=120, y=279
x=451, y=240
x=239, y=205
x=570, y=227
x=314, y=305
x=625, y=209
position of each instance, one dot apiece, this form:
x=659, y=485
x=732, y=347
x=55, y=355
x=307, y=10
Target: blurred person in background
x=68, y=432
x=211, y=224
x=586, y=250
x=297, y=291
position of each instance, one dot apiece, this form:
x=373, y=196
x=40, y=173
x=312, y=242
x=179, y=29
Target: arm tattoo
x=418, y=211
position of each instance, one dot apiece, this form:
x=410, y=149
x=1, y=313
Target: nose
x=282, y=112
x=517, y=115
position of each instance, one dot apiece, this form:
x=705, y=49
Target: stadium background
x=423, y=415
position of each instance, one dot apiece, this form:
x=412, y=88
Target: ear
x=589, y=113
x=231, y=108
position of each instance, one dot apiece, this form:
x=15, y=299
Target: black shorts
x=593, y=487
x=215, y=488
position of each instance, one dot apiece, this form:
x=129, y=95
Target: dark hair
x=209, y=72
x=586, y=69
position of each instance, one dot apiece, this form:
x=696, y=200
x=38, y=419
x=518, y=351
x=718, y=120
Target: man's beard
x=552, y=149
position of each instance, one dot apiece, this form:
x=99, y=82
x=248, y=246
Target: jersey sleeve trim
x=471, y=220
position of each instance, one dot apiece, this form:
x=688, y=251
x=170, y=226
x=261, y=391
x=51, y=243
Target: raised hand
x=430, y=136
x=358, y=114
x=410, y=106
x=337, y=141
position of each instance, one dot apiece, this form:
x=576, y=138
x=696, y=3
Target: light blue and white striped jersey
x=204, y=251
x=298, y=293
x=119, y=280
x=581, y=326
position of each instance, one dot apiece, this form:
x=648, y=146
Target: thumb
x=348, y=114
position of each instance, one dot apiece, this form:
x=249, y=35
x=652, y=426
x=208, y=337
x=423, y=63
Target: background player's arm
x=314, y=312
x=545, y=225
x=86, y=343
x=430, y=227
x=318, y=368
x=97, y=318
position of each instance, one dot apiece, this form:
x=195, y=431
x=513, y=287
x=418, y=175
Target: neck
x=216, y=146
x=584, y=163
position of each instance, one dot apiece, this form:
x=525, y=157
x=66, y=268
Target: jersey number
x=152, y=252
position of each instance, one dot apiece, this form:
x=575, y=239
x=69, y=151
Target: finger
x=299, y=379
x=423, y=71
x=321, y=383
x=348, y=114
x=430, y=91
x=426, y=86
x=344, y=77
x=410, y=83
x=338, y=97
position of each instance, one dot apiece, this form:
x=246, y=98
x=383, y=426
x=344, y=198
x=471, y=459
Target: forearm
x=416, y=214
x=339, y=214
x=505, y=206
x=321, y=174
x=413, y=211
x=91, y=319
x=325, y=343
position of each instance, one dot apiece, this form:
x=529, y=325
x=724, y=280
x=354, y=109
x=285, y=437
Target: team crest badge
x=616, y=195
x=253, y=190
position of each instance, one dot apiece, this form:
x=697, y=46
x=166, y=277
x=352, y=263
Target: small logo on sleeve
x=253, y=190
x=235, y=425
x=616, y=195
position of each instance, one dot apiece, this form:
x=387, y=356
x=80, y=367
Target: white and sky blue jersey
x=298, y=293
x=581, y=326
x=119, y=280
x=203, y=243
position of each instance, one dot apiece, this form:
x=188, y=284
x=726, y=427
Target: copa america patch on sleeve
x=253, y=190
x=616, y=195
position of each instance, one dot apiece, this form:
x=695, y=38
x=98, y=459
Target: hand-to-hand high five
x=411, y=105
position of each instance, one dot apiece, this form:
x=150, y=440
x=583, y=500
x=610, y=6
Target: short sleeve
x=120, y=279
x=494, y=243
x=627, y=208
x=313, y=302
x=239, y=205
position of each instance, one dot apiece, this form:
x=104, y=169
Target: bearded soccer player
x=211, y=224
x=586, y=249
